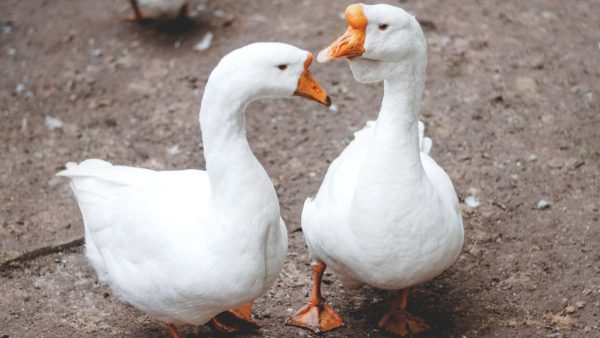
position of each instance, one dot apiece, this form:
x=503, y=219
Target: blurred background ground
x=512, y=104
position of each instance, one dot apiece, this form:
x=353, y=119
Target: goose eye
x=282, y=67
x=383, y=26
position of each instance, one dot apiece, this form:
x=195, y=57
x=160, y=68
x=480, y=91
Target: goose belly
x=183, y=288
x=387, y=256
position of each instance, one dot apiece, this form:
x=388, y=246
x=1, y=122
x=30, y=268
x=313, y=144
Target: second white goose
x=386, y=214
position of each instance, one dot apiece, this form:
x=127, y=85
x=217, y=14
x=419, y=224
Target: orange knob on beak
x=351, y=43
x=309, y=88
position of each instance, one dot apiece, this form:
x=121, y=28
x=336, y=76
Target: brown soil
x=506, y=80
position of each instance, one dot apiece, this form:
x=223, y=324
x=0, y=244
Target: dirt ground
x=512, y=103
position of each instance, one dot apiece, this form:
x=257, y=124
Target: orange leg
x=236, y=320
x=398, y=321
x=316, y=315
x=173, y=330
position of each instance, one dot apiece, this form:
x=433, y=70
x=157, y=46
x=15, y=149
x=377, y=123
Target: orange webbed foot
x=316, y=317
x=235, y=321
x=399, y=322
x=402, y=324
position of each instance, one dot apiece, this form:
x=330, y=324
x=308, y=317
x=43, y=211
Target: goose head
x=267, y=70
x=381, y=42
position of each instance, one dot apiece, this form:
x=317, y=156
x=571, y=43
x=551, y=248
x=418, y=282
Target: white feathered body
x=162, y=9
x=157, y=239
x=374, y=225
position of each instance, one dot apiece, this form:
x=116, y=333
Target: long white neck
x=395, y=148
x=235, y=173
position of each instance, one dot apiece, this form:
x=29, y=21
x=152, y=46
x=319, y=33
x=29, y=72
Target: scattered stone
x=177, y=44
x=526, y=85
x=259, y=18
x=580, y=304
x=200, y=7
x=12, y=52
x=97, y=52
x=570, y=309
x=333, y=107
x=548, y=15
x=53, y=122
x=19, y=88
x=472, y=202
x=543, y=204
x=174, y=150
x=219, y=13
x=205, y=42
x=532, y=158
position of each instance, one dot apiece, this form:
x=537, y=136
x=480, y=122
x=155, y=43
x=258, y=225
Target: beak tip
x=327, y=101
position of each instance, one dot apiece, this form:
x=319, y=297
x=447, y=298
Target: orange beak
x=309, y=88
x=350, y=44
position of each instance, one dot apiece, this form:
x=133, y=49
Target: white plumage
x=162, y=9
x=186, y=245
x=386, y=214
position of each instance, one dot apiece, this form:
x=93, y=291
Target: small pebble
x=19, y=88
x=200, y=7
x=259, y=18
x=177, y=44
x=526, y=84
x=174, y=150
x=532, y=158
x=570, y=309
x=472, y=202
x=548, y=15
x=205, y=42
x=12, y=51
x=580, y=304
x=543, y=204
x=219, y=13
x=53, y=122
x=97, y=52
x=333, y=107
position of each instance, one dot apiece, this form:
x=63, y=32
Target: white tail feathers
x=80, y=169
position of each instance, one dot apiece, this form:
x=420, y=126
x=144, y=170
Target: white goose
x=158, y=9
x=186, y=245
x=386, y=214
